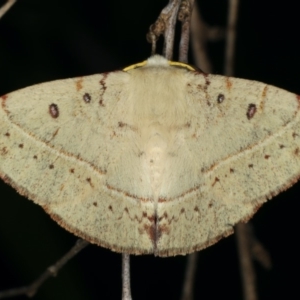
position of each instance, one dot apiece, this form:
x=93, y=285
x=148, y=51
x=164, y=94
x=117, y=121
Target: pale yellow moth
x=158, y=158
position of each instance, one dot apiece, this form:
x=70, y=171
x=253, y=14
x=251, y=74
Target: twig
x=51, y=271
x=184, y=16
x=249, y=247
x=199, y=31
x=165, y=24
x=242, y=231
x=6, y=7
x=247, y=243
x=201, y=34
x=230, y=37
x=189, y=277
x=258, y=252
x=246, y=266
x=126, y=290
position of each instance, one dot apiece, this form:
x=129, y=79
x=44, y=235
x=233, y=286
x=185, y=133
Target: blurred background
x=46, y=40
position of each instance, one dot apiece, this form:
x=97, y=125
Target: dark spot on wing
x=164, y=216
x=251, y=111
x=151, y=231
x=264, y=93
x=87, y=98
x=164, y=229
x=104, y=87
x=102, y=81
x=161, y=200
x=216, y=180
x=228, y=83
x=79, y=84
x=207, y=83
x=220, y=98
x=53, y=110
x=89, y=180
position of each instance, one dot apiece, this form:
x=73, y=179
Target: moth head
x=159, y=61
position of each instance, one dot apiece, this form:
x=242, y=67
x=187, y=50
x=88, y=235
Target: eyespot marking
x=53, y=110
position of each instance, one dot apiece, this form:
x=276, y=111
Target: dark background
x=46, y=40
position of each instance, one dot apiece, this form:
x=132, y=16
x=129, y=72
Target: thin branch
x=170, y=30
x=6, y=7
x=126, y=290
x=201, y=34
x=258, y=252
x=249, y=247
x=51, y=271
x=246, y=266
x=189, y=277
x=242, y=230
x=165, y=24
x=230, y=37
x=184, y=16
x=199, y=31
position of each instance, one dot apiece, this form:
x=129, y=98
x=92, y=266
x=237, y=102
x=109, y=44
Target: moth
x=158, y=158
